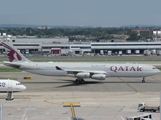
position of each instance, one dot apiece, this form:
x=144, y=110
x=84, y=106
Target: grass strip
x=9, y=70
x=11, y=78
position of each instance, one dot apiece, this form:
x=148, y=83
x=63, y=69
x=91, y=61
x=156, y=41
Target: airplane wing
x=85, y=71
x=99, y=75
x=12, y=64
x=70, y=71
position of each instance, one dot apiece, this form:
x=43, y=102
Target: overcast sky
x=81, y=12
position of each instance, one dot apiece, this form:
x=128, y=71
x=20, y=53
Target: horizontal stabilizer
x=11, y=64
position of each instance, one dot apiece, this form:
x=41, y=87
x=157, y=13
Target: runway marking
x=122, y=118
x=47, y=102
x=24, y=114
x=50, y=102
x=128, y=85
x=91, y=96
x=155, y=78
x=35, y=87
x=9, y=75
x=27, y=96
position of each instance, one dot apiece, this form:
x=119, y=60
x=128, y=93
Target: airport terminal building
x=126, y=47
x=63, y=46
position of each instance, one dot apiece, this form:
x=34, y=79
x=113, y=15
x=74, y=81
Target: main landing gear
x=143, y=81
x=79, y=80
x=9, y=96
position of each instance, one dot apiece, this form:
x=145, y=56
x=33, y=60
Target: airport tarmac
x=111, y=99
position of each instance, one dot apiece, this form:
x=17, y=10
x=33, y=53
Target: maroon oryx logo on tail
x=11, y=53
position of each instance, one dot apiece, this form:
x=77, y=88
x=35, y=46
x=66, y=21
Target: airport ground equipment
x=140, y=117
x=143, y=107
x=27, y=78
x=72, y=105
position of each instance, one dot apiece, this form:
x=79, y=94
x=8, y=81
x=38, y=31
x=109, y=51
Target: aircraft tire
x=82, y=81
x=143, y=81
x=77, y=81
x=9, y=99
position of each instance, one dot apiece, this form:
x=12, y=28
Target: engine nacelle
x=99, y=76
x=82, y=75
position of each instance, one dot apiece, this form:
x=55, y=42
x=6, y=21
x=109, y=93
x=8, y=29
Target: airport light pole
x=0, y=111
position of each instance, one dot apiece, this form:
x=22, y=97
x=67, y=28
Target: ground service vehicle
x=143, y=107
x=140, y=117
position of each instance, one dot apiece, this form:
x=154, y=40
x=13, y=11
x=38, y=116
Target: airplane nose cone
x=23, y=87
x=158, y=71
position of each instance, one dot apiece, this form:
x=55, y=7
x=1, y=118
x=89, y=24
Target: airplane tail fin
x=13, y=54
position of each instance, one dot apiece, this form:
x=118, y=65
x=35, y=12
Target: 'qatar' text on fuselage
x=125, y=68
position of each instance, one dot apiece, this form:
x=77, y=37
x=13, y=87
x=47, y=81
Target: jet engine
x=94, y=76
x=99, y=76
x=83, y=75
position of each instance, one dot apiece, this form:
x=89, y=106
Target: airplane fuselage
x=11, y=85
x=110, y=69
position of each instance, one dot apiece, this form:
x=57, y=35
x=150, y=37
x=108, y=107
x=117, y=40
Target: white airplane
x=79, y=70
x=10, y=86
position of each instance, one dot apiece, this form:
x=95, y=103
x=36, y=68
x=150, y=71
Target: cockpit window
x=18, y=83
x=154, y=68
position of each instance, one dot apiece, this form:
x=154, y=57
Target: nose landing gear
x=143, y=81
x=9, y=96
